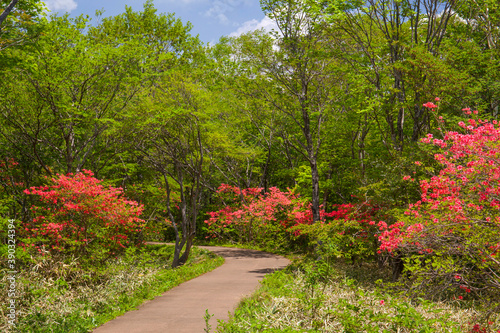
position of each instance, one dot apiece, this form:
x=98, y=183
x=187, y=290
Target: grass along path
x=345, y=299
x=56, y=297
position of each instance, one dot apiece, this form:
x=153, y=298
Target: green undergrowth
x=344, y=298
x=57, y=297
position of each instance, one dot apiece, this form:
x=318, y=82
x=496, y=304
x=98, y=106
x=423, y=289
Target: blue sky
x=211, y=19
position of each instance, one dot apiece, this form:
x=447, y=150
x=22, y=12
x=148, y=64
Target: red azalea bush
x=79, y=216
x=251, y=216
x=281, y=219
x=451, y=237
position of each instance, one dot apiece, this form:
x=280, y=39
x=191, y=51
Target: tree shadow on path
x=240, y=253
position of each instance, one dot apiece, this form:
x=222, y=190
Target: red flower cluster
x=465, y=191
x=459, y=211
x=250, y=211
x=79, y=215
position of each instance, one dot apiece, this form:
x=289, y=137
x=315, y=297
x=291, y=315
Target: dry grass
x=56, y=297
x=293, y=312
x=344, y=304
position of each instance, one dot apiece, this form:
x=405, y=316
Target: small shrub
x=251, y=216
x=349, y=233
x=80, y=217
x=282, y=220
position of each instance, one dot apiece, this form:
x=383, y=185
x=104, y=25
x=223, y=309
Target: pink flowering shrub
x=281, y=219
x=451, y=236
x=251, y=216
x=79, y=216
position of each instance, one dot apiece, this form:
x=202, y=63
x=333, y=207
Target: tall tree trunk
x=189, y=244
x=315, y=190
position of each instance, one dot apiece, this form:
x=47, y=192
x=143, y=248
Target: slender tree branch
x=7, y=11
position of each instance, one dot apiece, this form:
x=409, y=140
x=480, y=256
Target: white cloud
x=220, y=9
x=266, y=23
x=219, y=15
x=61, y=5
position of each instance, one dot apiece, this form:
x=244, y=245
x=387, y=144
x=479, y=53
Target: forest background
x=324, y=116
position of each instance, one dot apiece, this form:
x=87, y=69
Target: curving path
x=182, y=309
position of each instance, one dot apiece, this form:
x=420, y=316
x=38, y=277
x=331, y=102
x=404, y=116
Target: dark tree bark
x=7, y=11
x=175, y=150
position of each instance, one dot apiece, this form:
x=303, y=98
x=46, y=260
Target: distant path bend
x=182, y=309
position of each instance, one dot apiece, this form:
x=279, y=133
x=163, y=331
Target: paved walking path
x=182, y=309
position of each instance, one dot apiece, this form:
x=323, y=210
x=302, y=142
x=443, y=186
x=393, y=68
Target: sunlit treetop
x=18, y=20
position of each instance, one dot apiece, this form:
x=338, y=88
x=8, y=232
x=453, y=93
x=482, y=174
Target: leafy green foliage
x=20, y=25
x=330, y=106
